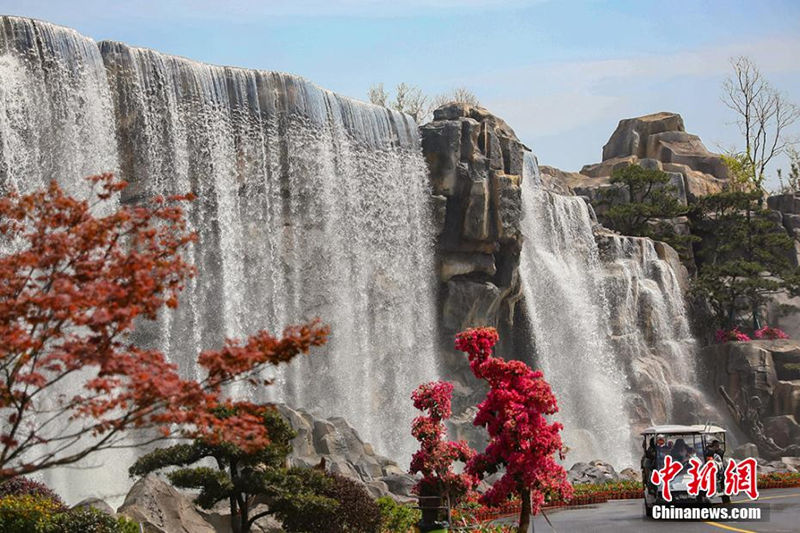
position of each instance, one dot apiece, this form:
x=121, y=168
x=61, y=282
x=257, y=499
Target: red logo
x=742, y=477
x=665, y=475
x=704, y=477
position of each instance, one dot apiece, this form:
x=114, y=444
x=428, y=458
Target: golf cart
x=681, y=443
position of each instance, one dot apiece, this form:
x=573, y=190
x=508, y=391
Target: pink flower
x=771, y=333
x=733, y=335
x=514, y=414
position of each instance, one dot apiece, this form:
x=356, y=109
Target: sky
x=562, y=73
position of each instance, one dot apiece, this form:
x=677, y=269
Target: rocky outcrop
x=336, y=444
x=762, y=382
x=595, y=472
x=475, y=163
x=662, y=137
x=657, y=141
x=160, y=508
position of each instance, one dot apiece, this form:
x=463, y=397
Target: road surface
x=619, y=516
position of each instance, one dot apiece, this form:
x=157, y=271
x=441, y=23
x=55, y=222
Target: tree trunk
x=245, y=518
x=525, y=513
x=235, y=523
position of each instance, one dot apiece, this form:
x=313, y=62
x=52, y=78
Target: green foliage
x=651, y=201
x=302, y=499
x=744, y=258
x=792, y=183
x=27, y=513
x=395, y=517
x=340, y=505
x=28, y=506
x=20, y=485
x=742, y=172
x=88, y=520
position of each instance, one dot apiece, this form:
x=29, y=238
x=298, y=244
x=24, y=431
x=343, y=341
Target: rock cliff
x=475, y=163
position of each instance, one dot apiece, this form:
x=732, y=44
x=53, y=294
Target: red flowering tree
x=522, y=442
x=72, y=283
x=435, y=457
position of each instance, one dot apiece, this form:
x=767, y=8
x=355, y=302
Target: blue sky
x=561, y=72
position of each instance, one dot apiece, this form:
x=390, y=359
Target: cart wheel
x=726, y=499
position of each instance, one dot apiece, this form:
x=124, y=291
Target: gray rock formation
x=475, y=162
x=653, y=141
x=97, y=504
x=336, y=442
x=762, y=385
x=160, y=508
x=596, y=472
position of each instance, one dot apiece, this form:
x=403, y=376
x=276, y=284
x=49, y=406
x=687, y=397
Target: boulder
x=783, y=429
x=629, y=474
x=462, y=263
x=748, y=449
x=220, y=519
x=400, y=484
x=160, y=508
x=630, y=137
x=336, y=444
x=97, y=504
x=596, y=472
x=468, y=303
x=770, y=467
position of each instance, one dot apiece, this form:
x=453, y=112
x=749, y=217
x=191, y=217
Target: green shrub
x=27, y=513
x=88, y=520
x=357, y=511
x=20, y=485
x=395, y=517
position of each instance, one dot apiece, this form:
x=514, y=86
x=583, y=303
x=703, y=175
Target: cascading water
x=561, y=274
x=609, y=326
x=309, y=204
x=56, y=116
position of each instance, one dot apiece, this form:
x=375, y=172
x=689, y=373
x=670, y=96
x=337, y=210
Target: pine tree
x=744, y=257
x=650, y=205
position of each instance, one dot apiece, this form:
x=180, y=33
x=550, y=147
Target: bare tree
x=410, y=99
x=459, y=95
x=764, y=115
x=378, y=95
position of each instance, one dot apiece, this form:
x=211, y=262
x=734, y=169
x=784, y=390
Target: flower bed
x=587, y=494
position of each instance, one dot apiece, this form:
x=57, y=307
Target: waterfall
x=309, y=204
x=561, y=274
x=609, y=327
x=56, y=117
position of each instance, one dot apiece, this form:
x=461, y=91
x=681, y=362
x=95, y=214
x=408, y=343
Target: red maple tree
x=435, y=458
x=72, y=285
x=522, y=441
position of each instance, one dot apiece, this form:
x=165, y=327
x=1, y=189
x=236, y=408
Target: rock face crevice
x=475, y=162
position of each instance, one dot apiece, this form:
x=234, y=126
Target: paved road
x=627, y=515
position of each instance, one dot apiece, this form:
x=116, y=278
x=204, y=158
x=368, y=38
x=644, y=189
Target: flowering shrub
x=88, y=520
x=435, y=457
x=396, y=517
x=770, y=333
x=521, y=439
x=20, y=485
x=732, y=335
x=27, y=513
